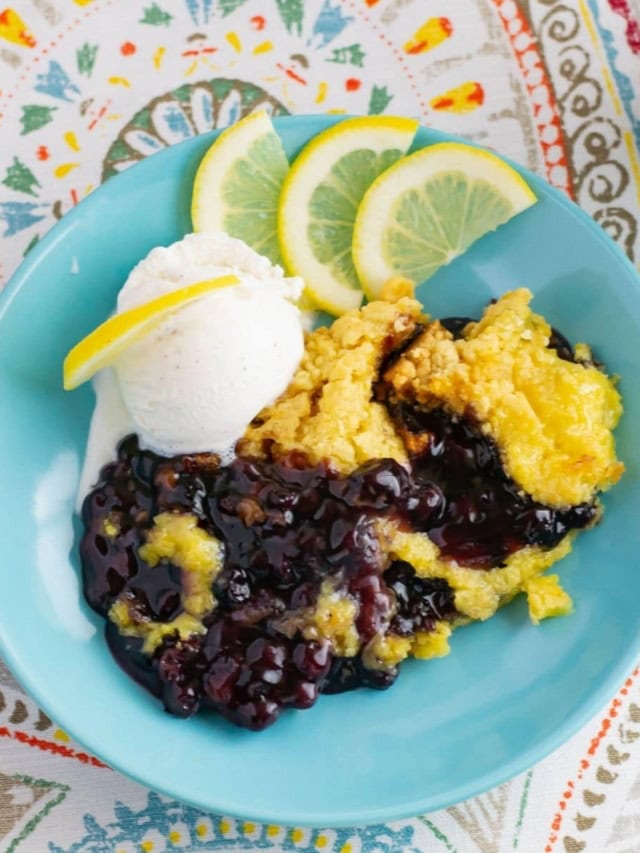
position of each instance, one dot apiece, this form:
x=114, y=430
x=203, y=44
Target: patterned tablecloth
x=89, y=87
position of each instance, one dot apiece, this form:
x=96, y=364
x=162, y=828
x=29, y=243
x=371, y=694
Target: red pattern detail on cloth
x=50, y=746
x=538, y=84
x=594, y=746
x=622, y=8
x=381, y=33
x=291, y=73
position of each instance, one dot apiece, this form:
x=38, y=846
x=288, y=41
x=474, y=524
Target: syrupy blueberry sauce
x=465, y=501
x=419, y=601
x=289, y=528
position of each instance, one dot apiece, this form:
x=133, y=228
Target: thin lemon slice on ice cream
x=320, y=198
x=431, y=207
x=105, y=344
x=238, y=182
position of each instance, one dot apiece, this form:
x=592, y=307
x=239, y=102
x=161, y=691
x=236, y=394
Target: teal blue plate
x=508, y=694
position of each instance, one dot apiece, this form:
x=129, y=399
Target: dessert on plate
x=290, y=512
x=270, y=512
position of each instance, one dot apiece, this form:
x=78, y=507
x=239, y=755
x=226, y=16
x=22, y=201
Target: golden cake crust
x=328, y=411
x=552, y=419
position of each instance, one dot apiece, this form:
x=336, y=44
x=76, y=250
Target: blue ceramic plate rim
x=80, y=729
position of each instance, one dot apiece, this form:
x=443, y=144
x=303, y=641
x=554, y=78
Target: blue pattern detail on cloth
x=18, y=215
x=56, y=82
x=329, y=24
x=200, y=10
x=623, y=82
x=177, y=122
x=170, y=826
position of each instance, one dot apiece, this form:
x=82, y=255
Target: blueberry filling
x=420, y=602
x=467, y=504
x=288, y=528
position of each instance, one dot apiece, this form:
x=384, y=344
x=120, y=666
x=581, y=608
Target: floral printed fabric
x=89, y=87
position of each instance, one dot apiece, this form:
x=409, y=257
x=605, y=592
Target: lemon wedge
x=237, y=185
x=429, y=208
x=105, y=344
x=320, y=197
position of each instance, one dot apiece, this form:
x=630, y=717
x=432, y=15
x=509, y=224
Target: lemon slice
x=238, y=182
x=429, y=208
x=105, y=344
x=320, y=197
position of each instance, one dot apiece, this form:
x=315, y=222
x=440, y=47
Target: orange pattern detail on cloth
x=462, y=99
x=432, y=33
x=13, y=29
x=594, y=746
x=523, y=43
x=50, y=746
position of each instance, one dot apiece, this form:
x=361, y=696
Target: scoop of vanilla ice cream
x=194, y=383
x=198, y=257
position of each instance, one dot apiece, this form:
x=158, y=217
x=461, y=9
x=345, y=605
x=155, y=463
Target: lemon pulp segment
x=429, y=208
x=238, y=182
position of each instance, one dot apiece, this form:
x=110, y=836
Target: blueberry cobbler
x=414, y=475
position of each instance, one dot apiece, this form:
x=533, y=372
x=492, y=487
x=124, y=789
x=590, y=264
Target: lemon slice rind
x=312, y=167
x=102, y=347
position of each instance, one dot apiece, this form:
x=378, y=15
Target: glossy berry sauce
x=289, y=528
x=465, y=501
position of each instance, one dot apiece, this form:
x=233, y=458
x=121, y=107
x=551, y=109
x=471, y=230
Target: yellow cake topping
x=552, y=419
x=328, y=411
